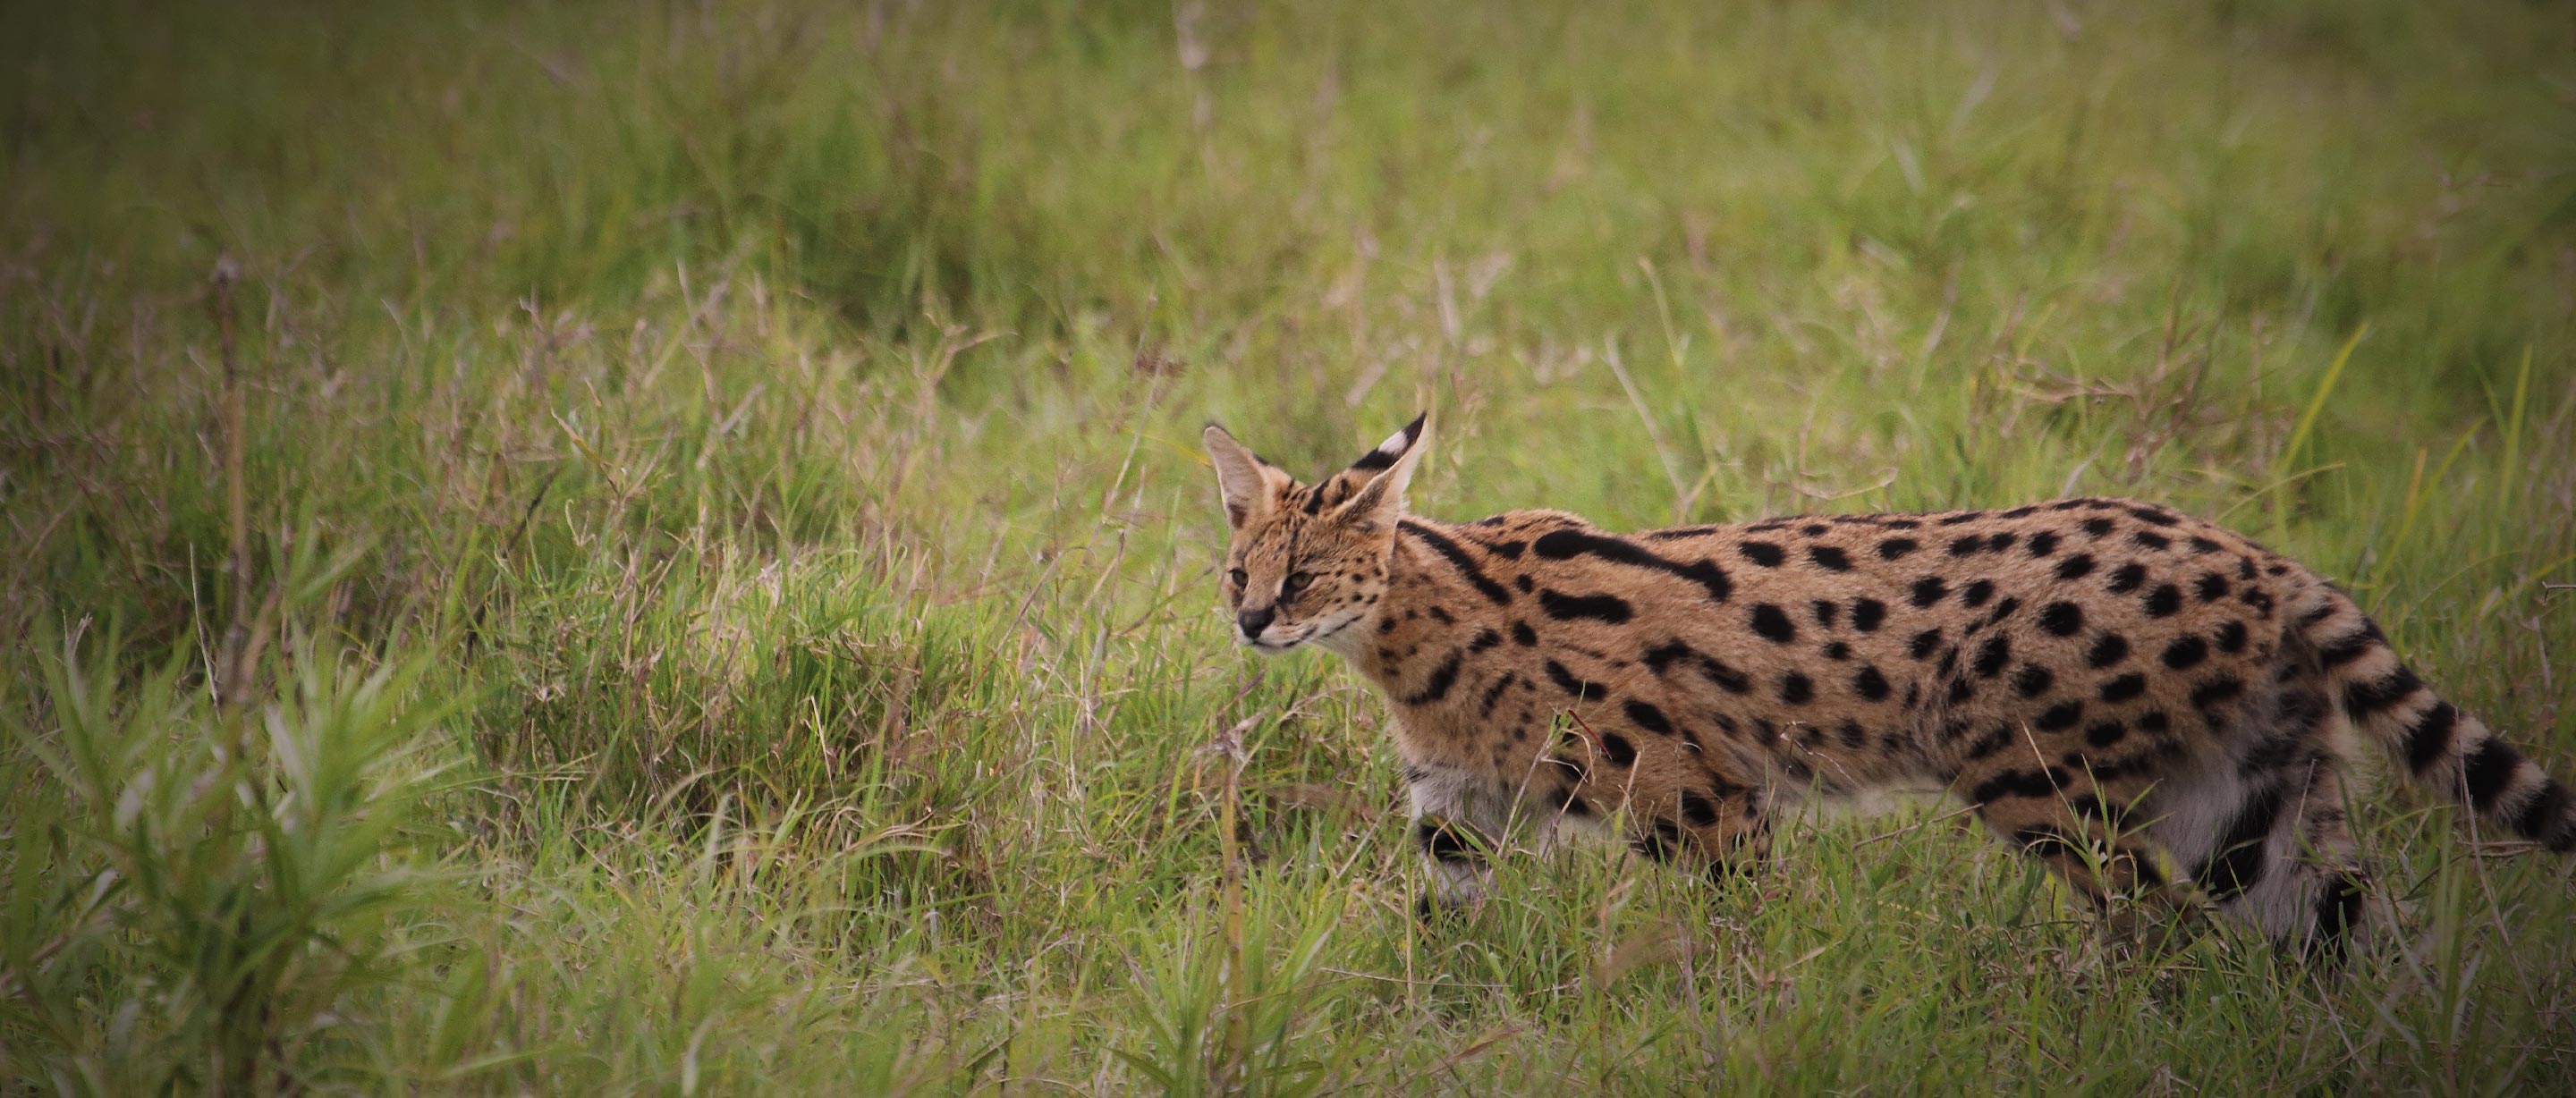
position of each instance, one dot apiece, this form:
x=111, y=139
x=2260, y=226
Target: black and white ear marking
x=1394, y=447
x=1245, y=482
x=1381, y=500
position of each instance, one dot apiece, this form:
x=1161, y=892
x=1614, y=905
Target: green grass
x=726, y=604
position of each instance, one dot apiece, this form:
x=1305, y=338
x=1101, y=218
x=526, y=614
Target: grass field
x=661, y=549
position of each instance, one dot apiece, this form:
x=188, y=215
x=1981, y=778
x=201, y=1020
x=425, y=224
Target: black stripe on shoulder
x=1459, y=559
x=1570, y=542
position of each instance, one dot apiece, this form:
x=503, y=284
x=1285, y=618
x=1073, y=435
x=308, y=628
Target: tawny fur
x=2103, y=680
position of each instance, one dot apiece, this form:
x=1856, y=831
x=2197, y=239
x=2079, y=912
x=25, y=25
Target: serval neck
x=1425, y=620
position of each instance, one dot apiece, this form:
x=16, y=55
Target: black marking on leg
x=2339, y=910
x=1445, y=844
x=2242, y=854
x=1437, y=686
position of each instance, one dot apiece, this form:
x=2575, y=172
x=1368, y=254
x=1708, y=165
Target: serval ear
x=1248, y=484
x=1388, y=469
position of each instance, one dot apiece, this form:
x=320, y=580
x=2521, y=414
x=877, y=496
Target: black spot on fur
x=1772, y=624
x=2128, y=577
x=1992, y=655
x=2061, y=618
x=1929, y=590
x=1977, y=593
x=2209, y=694
x=1722, y=676
x=1762, y=552
x=1618, y=750
x=2124, y=688
x=1567, y=681
x=1829, y=558
x=2231, y=637
x=2043, y=543
x=2186, y=653
x=1660, y=658
x=2164, y=601
x=2150, y=539
x=1867, y=613
x=1649, y=718
x=2060, y=717
x=2211, y=587
x=1565, y=607
x=2033, y=680
x=2104, y=733
x=1699, y=810
x=1837, y=650
x=1852, y=735
x=1969, y=545
x=1923, y=643
x=1870, y=684
x=2097, y=526
x=1523, y=635
x=2075, y=567
x=1961, y=692
x=1485, y=641
x=2018, y=785
x=2108, y=649
x=1894, y=548
x=1995, y=739
x=1797, y=689
x=1826, y=611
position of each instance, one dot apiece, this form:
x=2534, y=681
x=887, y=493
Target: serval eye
x=1239, y=576
x=1297, y=581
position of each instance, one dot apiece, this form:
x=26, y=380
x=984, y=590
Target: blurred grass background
x=724, y=583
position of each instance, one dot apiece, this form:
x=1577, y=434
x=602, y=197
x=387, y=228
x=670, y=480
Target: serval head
x=1306, y=564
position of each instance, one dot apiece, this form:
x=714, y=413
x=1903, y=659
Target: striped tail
x=2437, y=745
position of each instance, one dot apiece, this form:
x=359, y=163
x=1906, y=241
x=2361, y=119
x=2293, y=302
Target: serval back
x=2101, y=679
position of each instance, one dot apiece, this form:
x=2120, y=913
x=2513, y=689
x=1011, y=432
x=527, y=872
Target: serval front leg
x=1459, y=818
